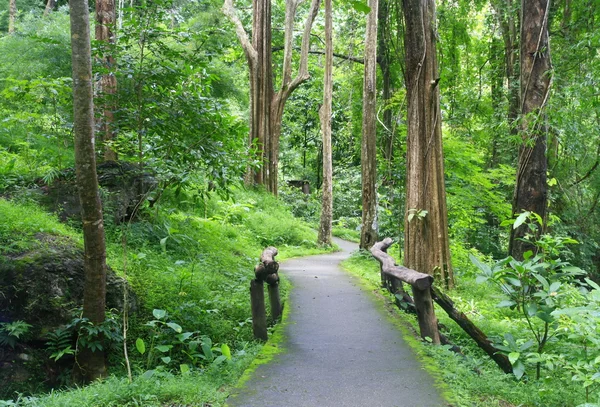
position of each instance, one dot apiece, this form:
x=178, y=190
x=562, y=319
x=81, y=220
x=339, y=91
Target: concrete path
x=340, y=348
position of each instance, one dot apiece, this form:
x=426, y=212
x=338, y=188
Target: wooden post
x=266, y=270
x=259, y=314
x=275, y=301
x=426, y=315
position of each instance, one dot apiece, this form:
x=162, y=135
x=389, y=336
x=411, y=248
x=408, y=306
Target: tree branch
x=590, y=171
x=303, y=69
x=321, y=52
x=242, y=35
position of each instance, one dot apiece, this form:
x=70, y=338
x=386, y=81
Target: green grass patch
x=347, y=234
x=25, y=226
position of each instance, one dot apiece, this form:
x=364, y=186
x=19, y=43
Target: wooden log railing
x=265, y=271
x=420, y=283
x=424, y=294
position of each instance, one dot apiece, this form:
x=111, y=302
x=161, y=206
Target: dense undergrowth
x=189, y=267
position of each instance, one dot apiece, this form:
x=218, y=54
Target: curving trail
x=340, y=348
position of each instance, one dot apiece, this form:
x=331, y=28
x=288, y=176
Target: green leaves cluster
x=169, y=345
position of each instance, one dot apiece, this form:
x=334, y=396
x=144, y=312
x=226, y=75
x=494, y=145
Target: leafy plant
x=169, y=343
x=11, y=332
x=535, y=287
x=59, y=343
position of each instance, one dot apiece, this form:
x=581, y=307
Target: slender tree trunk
x=531, y=188
x=386, y=73
x=426, y=246
x=12, y=15
x=369, y=227
x=496, y=85
x=50, y=4
x=90, y=364
x=506, y=14
x=325, y=116
x=105, y=23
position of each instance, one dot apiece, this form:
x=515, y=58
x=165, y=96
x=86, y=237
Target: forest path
x=340, y=349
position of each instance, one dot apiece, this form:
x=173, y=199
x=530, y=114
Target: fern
x=59, y=343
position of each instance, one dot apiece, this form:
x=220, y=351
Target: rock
x=123, y=187
x=44, y=285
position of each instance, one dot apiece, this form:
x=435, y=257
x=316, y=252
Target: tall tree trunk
x=496, y=85
x=369, y=228
x=105, y=23
x=506, y=14
x=426, y=246
x=12, y=15
x=90, y=364
x=385, y=63
x=325, y=116
x=50, y=4
x=267, y=105
x=531, y=189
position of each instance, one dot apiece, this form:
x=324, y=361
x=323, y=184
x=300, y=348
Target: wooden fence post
x=259, y=314
x=428, y=324
x=265, y=271
x=275, y=301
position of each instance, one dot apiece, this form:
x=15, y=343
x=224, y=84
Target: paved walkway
x=340, y=348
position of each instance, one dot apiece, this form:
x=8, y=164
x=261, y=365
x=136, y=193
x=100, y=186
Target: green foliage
x=59, y=343
x=169, y=346
x=535, y=287
x=167, y=118
x=12, y=332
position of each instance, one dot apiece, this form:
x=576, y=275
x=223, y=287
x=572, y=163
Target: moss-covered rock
x=123, y=185
x=42, y=286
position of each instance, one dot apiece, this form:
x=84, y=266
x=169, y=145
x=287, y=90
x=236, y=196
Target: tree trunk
x=50, y=4
x=505, y=14
x=266, y=104
x=531, y=188
x=107, y=87
x=369, y=228
x=325, y=116
x=91, y=364
x=12, y=15
x=426, y=246
x=386, y=73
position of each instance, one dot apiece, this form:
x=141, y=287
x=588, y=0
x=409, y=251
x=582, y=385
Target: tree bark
x=531, y=187
x=426, y=245
x=107, y=86
x=384, y=59
x=91, y=364
x=50, y=4
x=506, y=13
x=369, y=227
x=267, y=105
x=325, y=116
x=12, y=15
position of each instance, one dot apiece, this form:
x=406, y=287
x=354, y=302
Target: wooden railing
x=424, y=293
x=393, y=276
x=265, y=271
